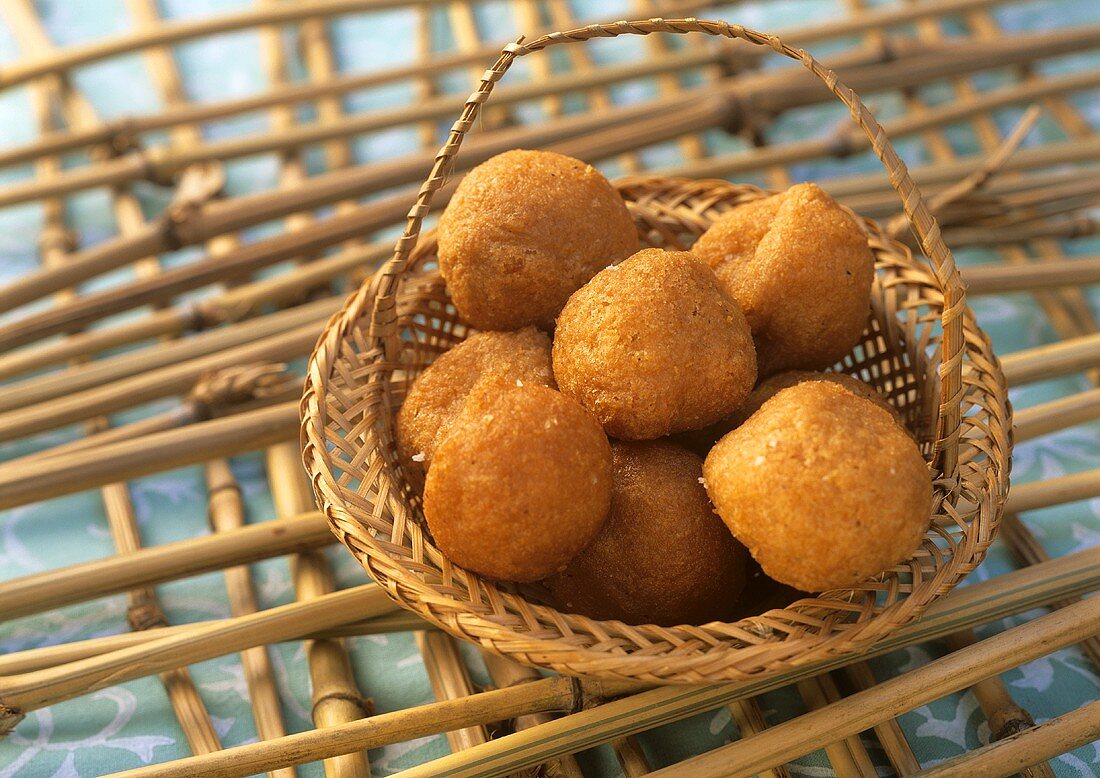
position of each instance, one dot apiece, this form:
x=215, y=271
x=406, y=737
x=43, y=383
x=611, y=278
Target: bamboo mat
x=135, y=723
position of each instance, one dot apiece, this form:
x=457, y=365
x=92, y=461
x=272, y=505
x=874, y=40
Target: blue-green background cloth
x=132, y=724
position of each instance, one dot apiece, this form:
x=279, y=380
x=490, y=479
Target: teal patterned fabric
x=132, y=725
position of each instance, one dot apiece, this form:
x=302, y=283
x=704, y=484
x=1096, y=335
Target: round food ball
x=522, y=483
x=823, y=487
x=701, y=441
x=523, y=231
x=801, y=270
x=663, y=557
x=654, y=346
x=438, y=394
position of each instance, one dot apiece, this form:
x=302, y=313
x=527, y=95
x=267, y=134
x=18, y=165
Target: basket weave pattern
x=922, y=348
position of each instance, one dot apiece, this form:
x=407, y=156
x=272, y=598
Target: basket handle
x=383, y=331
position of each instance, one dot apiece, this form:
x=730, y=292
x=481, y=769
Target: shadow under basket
x=922, y=349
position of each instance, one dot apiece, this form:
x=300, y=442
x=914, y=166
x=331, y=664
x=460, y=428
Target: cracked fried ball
x=522, y=483
x=663, y=557
x=822, y=486
x=438, y=394
x=654, y=345
x=525, y=230
x=801, y=270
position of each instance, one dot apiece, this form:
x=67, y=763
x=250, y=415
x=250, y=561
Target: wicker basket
x=922, y=348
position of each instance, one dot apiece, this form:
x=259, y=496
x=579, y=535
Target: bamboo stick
x=991, y=692
x=449, y=681
x=157, y=383
x=336, y=698
x=64, y=653
x=549, y=694
x=1028, y=550
x=1069, y=228
x=999, y=279
x=1004, y=715
x=227, y=515
x=1015, y=592
x=847, y=141
x=22, y=483
x=244, y=299
x=506, y=673
x=29, y=691
x=652, y=708
x=345, y=184
x=1011, y=755
x=223, y=393
x=1055, y=415
x=96, y=374
x=1052, y=360
x=165, y=322
x=1068, y=309
x=144, y=609
x=158, y=564
x=889, y=732
x=183, y=30
x=843, y=755
x=897, y=695
x=321, y=66
x=232, y=305
x=1053, y=491
x=750, y=721
x=631, y=758
x=848, y=758
x=230, y=265
x=121, y=131
x=163, y=164
x=446, y=671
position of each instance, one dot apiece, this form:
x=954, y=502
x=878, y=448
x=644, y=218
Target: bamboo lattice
x=179, y=340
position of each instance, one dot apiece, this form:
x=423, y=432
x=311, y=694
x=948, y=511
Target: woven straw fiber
x=922, y=348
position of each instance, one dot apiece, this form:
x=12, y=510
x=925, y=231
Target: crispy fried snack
x=438, y=394
x=701, y=441
x=822, y=486
x=654, y=346
x=663, y=557
x=524, y=231
x=522, y=483
x=801, y=270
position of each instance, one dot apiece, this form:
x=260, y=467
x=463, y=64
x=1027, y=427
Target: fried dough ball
x=701, y=441
x=823, y=487
x=801, y=270
x=438, y=394
x=522, y=483
x=525, y=230
x=770, y=387
x=654, y=346
x=663, y=557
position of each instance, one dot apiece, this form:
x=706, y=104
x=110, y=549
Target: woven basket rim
x=369, y=324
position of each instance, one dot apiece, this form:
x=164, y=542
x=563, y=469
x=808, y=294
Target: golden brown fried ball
x=701, y=441
x=438, y=394
x=770, y=387
x=823, y=487
x=654, y=346
x=801, y=270
x=663, y=557
x=522, y=483
x=525, y=230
